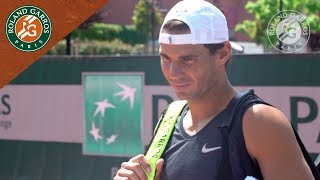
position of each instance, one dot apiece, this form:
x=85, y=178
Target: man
x=195, y=53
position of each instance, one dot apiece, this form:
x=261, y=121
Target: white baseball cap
x=207, y=24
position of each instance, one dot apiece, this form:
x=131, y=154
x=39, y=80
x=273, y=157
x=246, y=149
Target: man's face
x=191, y=70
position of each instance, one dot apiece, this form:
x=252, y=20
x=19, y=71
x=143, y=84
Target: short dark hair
x=179, y=27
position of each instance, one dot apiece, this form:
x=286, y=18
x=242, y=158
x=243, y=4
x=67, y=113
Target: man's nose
x=175, y=69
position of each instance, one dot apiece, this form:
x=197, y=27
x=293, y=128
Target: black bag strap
x=315, y=171
x=225, y=166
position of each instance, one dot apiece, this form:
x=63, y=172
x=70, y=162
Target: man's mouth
x=179, y=86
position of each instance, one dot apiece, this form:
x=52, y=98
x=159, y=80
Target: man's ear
x=224, y=54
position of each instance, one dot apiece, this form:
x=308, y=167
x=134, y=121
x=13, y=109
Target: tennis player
x=222, y=133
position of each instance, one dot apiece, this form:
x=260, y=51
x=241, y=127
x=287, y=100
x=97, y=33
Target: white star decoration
x=127, y=92
x=102, y=105
x=112, y=138
x=95, y=132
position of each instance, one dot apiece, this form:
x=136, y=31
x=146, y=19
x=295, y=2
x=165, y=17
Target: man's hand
x=135, y=169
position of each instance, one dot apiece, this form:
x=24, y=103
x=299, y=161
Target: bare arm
x=271, y=141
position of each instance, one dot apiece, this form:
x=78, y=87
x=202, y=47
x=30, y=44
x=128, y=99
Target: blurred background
x=48, y=133
x=132, y=27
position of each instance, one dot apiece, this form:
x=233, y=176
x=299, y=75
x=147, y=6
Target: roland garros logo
x=289, y=27
x=28, y=28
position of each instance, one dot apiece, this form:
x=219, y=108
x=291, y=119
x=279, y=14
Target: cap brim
x=236, y=47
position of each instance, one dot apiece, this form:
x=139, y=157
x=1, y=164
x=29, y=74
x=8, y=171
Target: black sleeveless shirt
x=217, y=151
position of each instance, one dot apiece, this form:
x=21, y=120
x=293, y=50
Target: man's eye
x=188, y=60
x=164, y=58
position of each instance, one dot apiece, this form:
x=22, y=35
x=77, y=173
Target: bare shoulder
x=270, y=140
x=265, y=129
x=266, y=118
